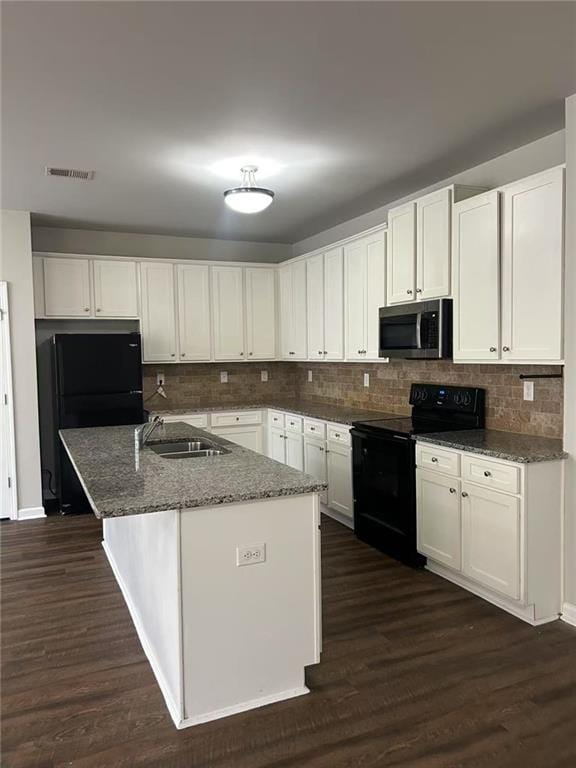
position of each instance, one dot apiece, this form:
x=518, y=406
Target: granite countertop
x=510, y=446
x=324, y=411
x=120, y=480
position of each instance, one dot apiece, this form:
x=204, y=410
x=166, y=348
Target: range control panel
x=437, y=397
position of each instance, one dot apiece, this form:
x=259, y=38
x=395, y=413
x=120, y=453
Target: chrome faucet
x=144, y=433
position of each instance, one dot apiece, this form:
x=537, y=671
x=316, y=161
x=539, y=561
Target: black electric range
x=384, y=464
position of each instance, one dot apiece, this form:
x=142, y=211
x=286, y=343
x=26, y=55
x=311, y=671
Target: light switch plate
x=528, y=390
x=223, y=377
x=263, y=375
x=366, y=379
x=159, y=379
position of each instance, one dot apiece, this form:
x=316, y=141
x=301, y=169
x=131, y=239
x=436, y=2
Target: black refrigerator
x=98, y=382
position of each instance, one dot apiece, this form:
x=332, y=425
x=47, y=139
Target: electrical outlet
x=263, y=375
x=251, y=554
x=159, y=379
x=309, y=375
x=366, y=379
x=528, y=390
x=223, y=377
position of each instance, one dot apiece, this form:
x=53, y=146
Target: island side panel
x=249, y=631
x=143, y=551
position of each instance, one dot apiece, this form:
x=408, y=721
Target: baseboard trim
x=524, y=612
x=569, y=613
x=30, y=513
x=175, y=711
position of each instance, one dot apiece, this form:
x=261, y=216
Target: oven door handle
x=419, y=330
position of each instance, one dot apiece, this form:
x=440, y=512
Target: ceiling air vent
x=70, y=173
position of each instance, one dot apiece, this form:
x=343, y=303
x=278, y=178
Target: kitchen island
x=218, y=559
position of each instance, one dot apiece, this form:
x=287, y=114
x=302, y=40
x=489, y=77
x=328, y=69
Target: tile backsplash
x=342, y=384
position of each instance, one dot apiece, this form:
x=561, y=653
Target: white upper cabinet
x=67, y=287
x=532, y=267
x=158, y=312
x=194, y=312
x=115, y=288
x=334, y=304
x=476, y=278
x=402, y=254
x=228, y=313
x=365, y=261
x=433, y=218
x=315, y=301
x=293, y=311
x=260, y=313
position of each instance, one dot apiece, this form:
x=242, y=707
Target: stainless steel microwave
x=421, y=330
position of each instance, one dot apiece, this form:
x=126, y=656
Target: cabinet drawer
x=276, y=419
x=490, y=474
x=314, y=428
x=199, y=420
x=235, y=418
x=339, y=433
x=293, y=423
x=431, y=457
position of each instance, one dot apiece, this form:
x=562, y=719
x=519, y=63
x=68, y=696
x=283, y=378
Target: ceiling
x=344, y=101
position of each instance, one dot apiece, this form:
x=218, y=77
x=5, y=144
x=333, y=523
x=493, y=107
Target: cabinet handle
x=418, y=290
x=487, y=474
x=98, y=309
x=173, y=354
x=183, y=354
x=327, y=451
x=250, y=353
x=409, y=291
x=452, y=490
x=434, y=460
x=492, y=349
x=241, y=354
x=319, y=352
x=312, y=429
x=322, y=449
x=325, y=352
x=505, y=349
x=464, y=494
x=336, y=434
x=86, y=309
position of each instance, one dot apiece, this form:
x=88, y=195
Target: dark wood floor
x=415, y=672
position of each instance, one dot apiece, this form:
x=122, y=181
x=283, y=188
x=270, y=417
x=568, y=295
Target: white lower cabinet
x=491, y=539
x=340, y=479
x=439, y=518
x=315, y=460
x=248, y=437
x=494, y=528
x=276, y=445
x=294, y=450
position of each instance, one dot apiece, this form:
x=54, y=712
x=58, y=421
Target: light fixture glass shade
x=248, y=198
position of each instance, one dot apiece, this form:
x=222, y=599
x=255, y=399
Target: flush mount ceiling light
x=248, y=197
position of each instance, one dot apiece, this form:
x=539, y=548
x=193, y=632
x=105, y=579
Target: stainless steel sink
x=186, y=449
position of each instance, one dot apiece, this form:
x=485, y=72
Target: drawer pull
x=237, y=418
x=487, y=473
x=312, y=429
x=452, y=490
x=336, y=434
x=434, y=460
x=464, y=495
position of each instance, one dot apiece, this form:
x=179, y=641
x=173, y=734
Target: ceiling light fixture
x=248, y=197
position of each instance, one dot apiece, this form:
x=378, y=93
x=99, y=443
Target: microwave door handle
x=419, y=330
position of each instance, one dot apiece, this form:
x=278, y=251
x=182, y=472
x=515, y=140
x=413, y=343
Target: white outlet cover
x=263, y=375
x=528, y=390
x=223, y=377
x=309, y=375
x=366, y=379
x=160, y=380
x=250, y=554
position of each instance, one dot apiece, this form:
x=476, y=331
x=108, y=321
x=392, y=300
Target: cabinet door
x=433, y=245
x=286, y=319
x=315, y=461
x=439, y=527
x=299, y=327
x=355, y=263
x=115, y=289
x=334, y=304
x=340, y=479
x=276, y=447
x=194, y=312
x=401, y=269
x=228, y=313
x=247, y=437
x=67, y=288
x=476, y=278
x=375, y=292
x=315, y=301
x=532, y=267
x=158, y=312
x=491, y=539
x=294, y=450
x=260, y=313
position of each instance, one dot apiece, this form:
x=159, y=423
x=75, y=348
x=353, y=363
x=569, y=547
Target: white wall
x=16, y=270
x=570, y=356
x=154, y=246
x=531, y=158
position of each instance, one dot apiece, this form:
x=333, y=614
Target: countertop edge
x=502, y=455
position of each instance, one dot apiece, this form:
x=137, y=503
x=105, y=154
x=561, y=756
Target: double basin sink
x=185, y=449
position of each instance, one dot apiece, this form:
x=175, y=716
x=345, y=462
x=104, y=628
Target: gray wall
x=531, y=158
x=154, y=246
x=570, y=356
